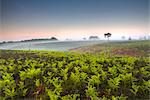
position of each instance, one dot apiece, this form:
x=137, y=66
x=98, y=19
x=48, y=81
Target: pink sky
x=14, y=33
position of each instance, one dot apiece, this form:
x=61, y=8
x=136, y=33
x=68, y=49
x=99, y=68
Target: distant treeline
x=52, y=38
x=30, y=40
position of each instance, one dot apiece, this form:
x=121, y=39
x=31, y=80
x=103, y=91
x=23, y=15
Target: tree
x=129, y=38
x=53, y=38
x=144, y=37
x=148, y=37
x=93, y=37
x=84, y=38
x=123, y=37
x=107, y=35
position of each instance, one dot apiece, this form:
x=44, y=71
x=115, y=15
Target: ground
x=109, y=71
x=126, y=48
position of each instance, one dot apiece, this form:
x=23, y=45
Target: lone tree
x=107, y=35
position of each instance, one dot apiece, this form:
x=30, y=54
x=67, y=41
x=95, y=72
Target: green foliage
x=114, y=83
x=71, y=97
x=72, y=76
x=91, y=92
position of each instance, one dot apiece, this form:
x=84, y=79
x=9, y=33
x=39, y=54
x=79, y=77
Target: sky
x=73, y=19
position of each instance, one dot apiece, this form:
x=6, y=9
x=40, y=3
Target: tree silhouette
x=123, y=37
x=93, y=37
x=107, y=35
x=129, y=38
x=53, y=38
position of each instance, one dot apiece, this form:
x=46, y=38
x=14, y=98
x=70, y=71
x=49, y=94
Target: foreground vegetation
x=72, y=76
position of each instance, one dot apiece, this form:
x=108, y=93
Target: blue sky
x=74, y=19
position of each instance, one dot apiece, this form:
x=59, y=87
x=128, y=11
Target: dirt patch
x=127, y=52
x=113, y=51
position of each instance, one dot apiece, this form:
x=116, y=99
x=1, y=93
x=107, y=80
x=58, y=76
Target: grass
x=125, y=48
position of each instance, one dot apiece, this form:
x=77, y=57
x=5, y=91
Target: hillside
x=126, y=48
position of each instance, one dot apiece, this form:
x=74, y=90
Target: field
x=124, y=48
x=88, y=73
x=48, y=45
